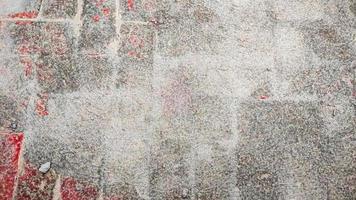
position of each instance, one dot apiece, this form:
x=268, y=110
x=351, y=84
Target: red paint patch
x=130, y=4
x=23, y=22
x=41, y=105
x=264, y=97
x=24, y=15
x=106, y=11
x=135, y=41
x=71, y=189
x=27, y=66
x=35, y=185
x=96, y=18
x=10, y=147
x=134, y=54
x=23, y=49
x=131, y=54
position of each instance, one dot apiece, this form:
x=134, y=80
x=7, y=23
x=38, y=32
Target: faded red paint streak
x=27, y=67
x=10, y=148
x=25, y=50
x=72, y=189
x=33, y=184
x=134, y=54
x=130, y=4
x=106, y=12
x=135, y=41
x=263, y=97
x=24, y=15
x=41, y=105
x=23, y=22
x=95, y=18
x=16, y=141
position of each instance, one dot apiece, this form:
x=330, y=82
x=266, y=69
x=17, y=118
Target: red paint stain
x=23, y=49
x=23, y=23
x=27, y=66
x=41, y=105
x=16, y=141
x=10, y=148
x=96, y=18
x=132, y=53
x=24, y=103
x=33, y=184
x=106, y=11
x=264, y=97
x=24, y=15
x=130, y=4
x=135, y=41
x=72, y=189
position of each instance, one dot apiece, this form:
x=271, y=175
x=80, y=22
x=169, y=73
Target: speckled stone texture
x=178, y=99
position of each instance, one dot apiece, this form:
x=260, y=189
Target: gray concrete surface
x=183, y=99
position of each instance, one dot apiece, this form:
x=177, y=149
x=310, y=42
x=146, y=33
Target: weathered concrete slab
x=98, y=25
x=279, y=143
x=95, y=71
x=148, y=99
x=59, y=8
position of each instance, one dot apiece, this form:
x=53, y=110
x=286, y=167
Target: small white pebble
x=45, y=167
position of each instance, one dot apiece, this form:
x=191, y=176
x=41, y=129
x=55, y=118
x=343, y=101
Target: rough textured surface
x=178, y=99
x=10, y=149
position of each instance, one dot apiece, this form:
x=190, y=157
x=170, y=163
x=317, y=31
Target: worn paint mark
x=130, y=4
x=41, y=105
x=263, y=97
x=16, y=141
x=23, y=22
x=106, y=12
x=35, y=185
x=27, y=66
x=135, y=41
x=96, y=18
x=71, y=189
x=24, y=15
x=10, y=148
